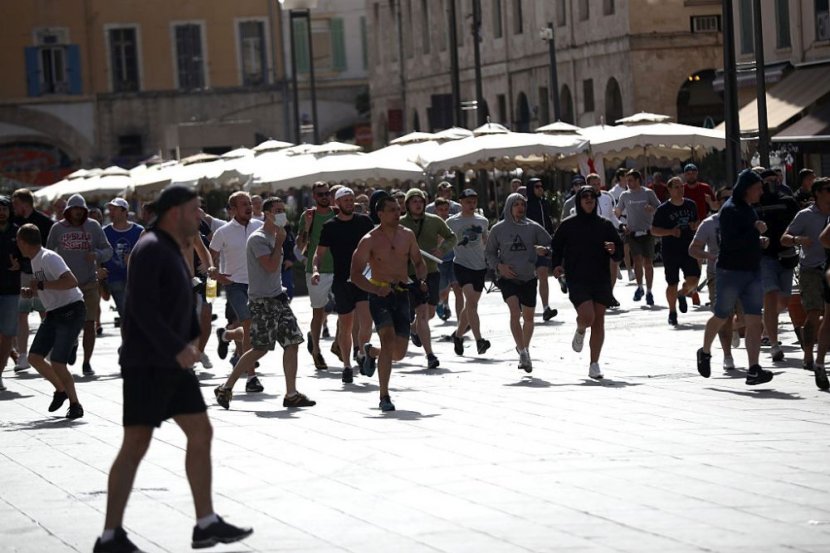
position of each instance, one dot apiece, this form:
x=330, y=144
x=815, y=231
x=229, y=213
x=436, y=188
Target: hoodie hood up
x=508, y=209
x=746, y=178
x=578, y=204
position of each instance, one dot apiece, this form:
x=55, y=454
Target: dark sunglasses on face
x=322, y=194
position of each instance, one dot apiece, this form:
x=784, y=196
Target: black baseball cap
x=172, y=196
x=4, y=200
x=467, y=193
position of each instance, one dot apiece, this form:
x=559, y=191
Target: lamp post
x=730, y=95
x=761, y=86
x=546, y=33
x=301, y=9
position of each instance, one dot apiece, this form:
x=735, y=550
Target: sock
x=225, y=337
x=251, y=377
x=108, y=535
x=547, y=307
x=204, y=522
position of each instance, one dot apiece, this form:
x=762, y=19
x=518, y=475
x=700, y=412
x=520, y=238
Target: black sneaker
x=649, y=298
x=482, y=346
x=320, y=362
x=75, y=411
x=57, y=400
x=222, y=349
x=87, y=370
x=298, y=400
x=218, y=532
x=254, y=386
x=416, y=340
x=756, y=375
x=563, y=285
x=309, y=343
x=348, y=376
x=99, y=331
x=549, y=313
x=703, y=363
x=432, y=361
x=682, y=304
x=614, y=302
x=821, y=378
x=326, y=333
x=673, y=318
x=223, y=396
x=808, y=366
x=119, y=544
x=369, y=362
x=386, y=404
x=457, y=344
x=73, y=355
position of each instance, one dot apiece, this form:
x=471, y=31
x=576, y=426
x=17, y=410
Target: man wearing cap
x=699, y=192
x=161, y=329
x=538, y=210
x=428, y=230
x=340, y=237
x=445, y=191
x=83, y=245
x=569, y=205
x=639, y=204
x=122, y=236
x=470, y=267
x=9, y=282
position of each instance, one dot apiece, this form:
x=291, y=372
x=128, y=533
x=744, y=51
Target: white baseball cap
x=120, y=202
x=344, y=191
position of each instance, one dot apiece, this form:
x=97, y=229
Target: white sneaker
x=736, y=339
x=728, y=363
x=578, y=341
x=524, y=360
x=22, y=362
x=595, y=372
x=205, y=361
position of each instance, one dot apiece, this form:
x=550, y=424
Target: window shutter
x=338, y=44
x=73, y=68
x=32, y=71
x=301, y=45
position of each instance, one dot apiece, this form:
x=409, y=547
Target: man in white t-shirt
x=63, y=301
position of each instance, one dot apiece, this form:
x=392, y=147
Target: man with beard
x=84, y=246
x=699, y=192
x=340, y=236
x=9, y=282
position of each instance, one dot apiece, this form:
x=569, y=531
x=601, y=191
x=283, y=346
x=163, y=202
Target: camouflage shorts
x=272, y=322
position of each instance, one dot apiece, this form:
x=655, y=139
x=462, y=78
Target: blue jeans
x=118, y=291
x=288, y=282
x=237, y=294
x=738, y=285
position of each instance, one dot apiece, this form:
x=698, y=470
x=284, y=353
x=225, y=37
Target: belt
x=396, y=286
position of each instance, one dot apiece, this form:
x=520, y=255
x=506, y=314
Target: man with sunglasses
x=538, y=210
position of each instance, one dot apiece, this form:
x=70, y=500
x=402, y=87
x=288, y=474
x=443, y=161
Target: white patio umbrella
x=559, y=127
x=333, y=148
x=672, y=141
x=148, y=180
x=53, y=191
x=110, y=182
x=270, y=146
x=196, y=170
x=414, y=138
x=453, y=133
x=237, y=167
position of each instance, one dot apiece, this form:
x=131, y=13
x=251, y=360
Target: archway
x=613, y=102
x=566, y=104
x=522, y=113
x=697, y=102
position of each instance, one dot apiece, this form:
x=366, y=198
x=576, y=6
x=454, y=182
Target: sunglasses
x=322, y=194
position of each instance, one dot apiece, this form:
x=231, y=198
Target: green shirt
x=427, y=231
x=326, y=263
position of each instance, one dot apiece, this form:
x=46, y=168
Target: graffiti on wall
x=33, y=164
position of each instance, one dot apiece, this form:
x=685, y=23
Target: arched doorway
x=697, y=102
x=416, y=121
x=613, y=102
x=566, y=104
x=522, y=113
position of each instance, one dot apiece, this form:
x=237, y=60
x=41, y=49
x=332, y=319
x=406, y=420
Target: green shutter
x=301, y=45
x=338, y=45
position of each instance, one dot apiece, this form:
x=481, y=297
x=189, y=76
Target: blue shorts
x=543, y=261
x=59, y=331
x=8, y=314
x=775, y=277
x=237, y=295
x=392, y=310
x=447, y=275
x=734, y=286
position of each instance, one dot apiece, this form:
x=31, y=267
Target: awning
x=814, y=127
x=798, y=91
x=773, y=72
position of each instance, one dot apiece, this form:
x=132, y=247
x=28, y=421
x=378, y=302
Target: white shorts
x=319, y=294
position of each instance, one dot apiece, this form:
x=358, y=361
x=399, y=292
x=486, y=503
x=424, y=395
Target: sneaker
x=549, y=314
x=695, y=299
x=87, y=369
x=320, y=363
x=356, y=354
x=777, y=353
x=439, y=310
x=821, y=378
x=595, y=372
x=482, y=346
x=309, y=343
x=614, y=302
x=218, y=532
x=578, y=340
x=57, y=400
x=736, y=339
x=457, y=344
x=765, y=341
x=673, y=318
x=447, y=312
x=326, y=333
x=298, y=400
x=205, y=361
x=75, y=411
x=524, y=361
x=704, y=363
x=681, y=303
x=73, y=355
x=649, y=298
x=22, y=363
x=234, y=359
x=2, y=386
x=728, y=363
x=118, y=544
x=254, y=386
x=222, y=348
x=386, y=404
x=348, y=376
x=563, y=285
x=638, y=293
x=223, y=396
x=756, y=375
x=369, y=362
x=335, y=349
x=416, y=340
x=432, y=361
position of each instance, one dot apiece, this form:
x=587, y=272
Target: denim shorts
x=59, y=331
x=118, y=291
x=447, y=275
x=237, y=294
x=775, y=277
x=734, y=286
x=392, y=310
x=8, y=314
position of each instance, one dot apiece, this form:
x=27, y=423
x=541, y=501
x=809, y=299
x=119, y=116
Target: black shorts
x=466, y=276
x=524, y=290
x=58, y=332
x=598, y=292
x=155, y=394
x=346, y=296
x=673, y=266
x=418, y=297
x=392, y=310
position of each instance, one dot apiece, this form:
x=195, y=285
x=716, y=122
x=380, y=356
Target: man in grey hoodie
x=513, y=246
x=81, y=242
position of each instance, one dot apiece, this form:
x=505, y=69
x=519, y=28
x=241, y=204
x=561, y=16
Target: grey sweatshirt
x=74, y=243
x=512, y=242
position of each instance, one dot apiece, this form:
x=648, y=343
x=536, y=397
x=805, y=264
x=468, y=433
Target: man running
x=448, y=280
x=9, y=282
x=122, y=236
x=388, y=250
x=444, y=191
x=538, y=210
x=639, y=204
x=160, y=333
x=699, y=192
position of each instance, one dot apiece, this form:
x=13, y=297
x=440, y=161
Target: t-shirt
x=698, y=195
x=122, y=242
x=261, y=283
x=47, y=265
x=809, y=222
x=326, y=264
x=230, y=241
x=44, y=223
x=472, y=238
x=455, y=207
x=633, y=203
x=708, y=233
x=341, y=238
x=670, y=216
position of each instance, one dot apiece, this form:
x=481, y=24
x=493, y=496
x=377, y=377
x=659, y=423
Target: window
x=327, y=43
x=426, y=27
x=123, y=46
x=584, y=9
x=705, y=23
x=498, y=32
x=822, y=19
x=253, y=51
x=607, y=7
x=130, y=145
x=745, y=22
x=588, y=95
x=501, y=101
x=544, y=105
x=364, y=42
x=518, y=23
x=190, y=65
x=782, y=23
x=53, y=66
x=561, y=13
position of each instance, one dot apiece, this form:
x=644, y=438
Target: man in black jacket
x=9, y=282
x=161, y=325
x=538, y=210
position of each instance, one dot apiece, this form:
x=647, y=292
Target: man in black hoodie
x=585, y=241
x=538, y=210
x=739, y=274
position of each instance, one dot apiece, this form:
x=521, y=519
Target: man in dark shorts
x=387, y=250
x=9, y=282
x=638, y=204
x=340, y=236
x=581, y=248
x=161, y=325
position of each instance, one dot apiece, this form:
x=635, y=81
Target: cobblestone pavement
x=479, y=456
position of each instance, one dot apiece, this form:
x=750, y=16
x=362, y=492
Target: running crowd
x=387, y=263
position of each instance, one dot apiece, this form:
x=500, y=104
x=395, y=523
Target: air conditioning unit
x=823, y=26
x=51, y=36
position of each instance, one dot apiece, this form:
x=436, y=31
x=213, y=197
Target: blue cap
x=577, y=179
x=690, y=167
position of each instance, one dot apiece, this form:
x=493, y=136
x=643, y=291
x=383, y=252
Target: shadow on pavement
x=609, y=383
x=26, y=375
x=255, y=397
x=531, y=382
x=42, y=424
x=356, y=388
x=284, y=414
x=758, y=393
x=403, y=415
x=8, y=394
x=432, y=372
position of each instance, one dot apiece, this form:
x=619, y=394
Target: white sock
x=108, y=535
x=251, y=377
x=204, y=522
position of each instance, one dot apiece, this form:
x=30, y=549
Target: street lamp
x=546, y=34
x=301, y=9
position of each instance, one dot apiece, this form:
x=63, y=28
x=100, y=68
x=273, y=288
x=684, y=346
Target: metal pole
x=275, y=74
x=761, y=86
x=313, y=82
x=554, y=75
x=730, y=96
x=291, y=16
x=402, y=66
x=454, y=77
x=481, y=118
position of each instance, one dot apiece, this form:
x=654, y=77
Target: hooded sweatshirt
x=740, y=247
x=74, y=243
x=427, y=229
x=538, y=210
x=580, y=242
x=512, y=242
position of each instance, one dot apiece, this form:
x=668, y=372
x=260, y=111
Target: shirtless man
x=387, y=249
